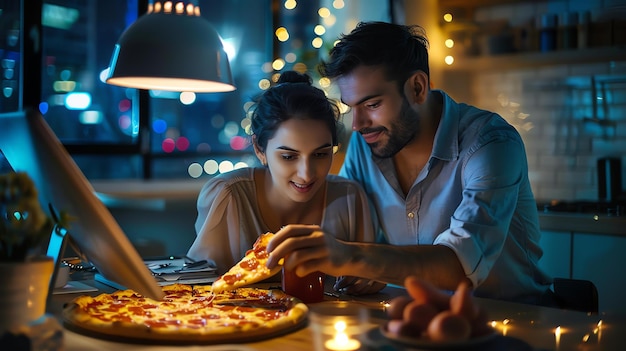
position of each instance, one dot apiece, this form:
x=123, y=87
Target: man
x=448, y=181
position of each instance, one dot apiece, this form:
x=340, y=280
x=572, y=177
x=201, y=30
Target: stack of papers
x=178, y=270
x=173, y=270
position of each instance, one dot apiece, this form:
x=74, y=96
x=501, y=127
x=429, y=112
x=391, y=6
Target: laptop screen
x=29, y=145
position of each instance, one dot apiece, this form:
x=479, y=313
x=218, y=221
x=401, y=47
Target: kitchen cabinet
x=600, y=258
x=557, y=253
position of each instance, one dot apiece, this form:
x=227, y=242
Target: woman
x=294, y=133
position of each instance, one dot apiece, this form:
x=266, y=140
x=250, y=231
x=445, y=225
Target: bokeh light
x=211, y=167
x=323, y=12
x=194, y=170
x=168, y=145
x=182, y=143
x=238, y=143
x=226, y=166
x=124, y=105
x=159, y=126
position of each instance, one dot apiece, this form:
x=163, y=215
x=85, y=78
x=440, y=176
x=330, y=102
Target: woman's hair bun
x=294, y=77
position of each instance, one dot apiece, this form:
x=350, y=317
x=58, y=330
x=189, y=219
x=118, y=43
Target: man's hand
x=306, y=248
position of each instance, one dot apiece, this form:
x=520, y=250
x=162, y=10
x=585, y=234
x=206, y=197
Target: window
x=118, y=133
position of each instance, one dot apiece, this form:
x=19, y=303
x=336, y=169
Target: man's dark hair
x=401, y=49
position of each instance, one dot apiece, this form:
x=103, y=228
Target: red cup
x=309, y=288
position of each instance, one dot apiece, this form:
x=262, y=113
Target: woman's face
x=299, y=157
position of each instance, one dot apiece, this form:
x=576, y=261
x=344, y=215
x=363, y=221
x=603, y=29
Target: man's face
x=380, y=113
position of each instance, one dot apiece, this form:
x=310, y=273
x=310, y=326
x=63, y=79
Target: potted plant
x=25, y=271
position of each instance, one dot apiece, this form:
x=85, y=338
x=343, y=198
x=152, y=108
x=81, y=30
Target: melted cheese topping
x=188, y=310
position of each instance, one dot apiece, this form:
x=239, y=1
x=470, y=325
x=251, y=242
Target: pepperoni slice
x=231, y=278
x=269, y=315
x=249, y=264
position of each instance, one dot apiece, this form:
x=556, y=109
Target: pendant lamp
x=171, y=48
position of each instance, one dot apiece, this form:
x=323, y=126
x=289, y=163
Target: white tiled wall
x=562, y=149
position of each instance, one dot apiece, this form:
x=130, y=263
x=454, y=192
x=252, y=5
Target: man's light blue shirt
x=473, y=196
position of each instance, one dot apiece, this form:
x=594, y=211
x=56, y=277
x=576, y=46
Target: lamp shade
x=166, y=50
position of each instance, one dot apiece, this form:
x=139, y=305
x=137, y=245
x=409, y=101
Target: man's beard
x=401, y=132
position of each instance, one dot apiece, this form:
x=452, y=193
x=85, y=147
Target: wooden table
x=526, y=327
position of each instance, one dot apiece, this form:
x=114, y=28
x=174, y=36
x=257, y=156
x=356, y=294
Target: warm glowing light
x=282, y=34
x=341, y=341
x=330, y=20
x=319, y=29
x=187, y=97
x=240, y=164
x=226, y=166
x=447, y=17
x=290, y=4
x=190, y=9
x=449, y=43
x=300, y=67
x=449, y=60
x=557, y=336
x=167, y=7
x=323, y=12
x=324, y=82
x=179, y=8
x=278, y=64
x=317, y=42
x=338, y=4
x=343, y=108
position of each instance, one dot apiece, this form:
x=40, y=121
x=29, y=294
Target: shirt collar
x=446, y=145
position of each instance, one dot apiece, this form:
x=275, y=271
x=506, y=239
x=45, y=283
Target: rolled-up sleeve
x=478, y=229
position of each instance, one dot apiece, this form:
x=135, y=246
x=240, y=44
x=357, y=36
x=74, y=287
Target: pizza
x=186, y=315
x=250, y=269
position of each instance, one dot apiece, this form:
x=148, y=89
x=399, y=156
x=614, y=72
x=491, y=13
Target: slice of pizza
x=251, y=269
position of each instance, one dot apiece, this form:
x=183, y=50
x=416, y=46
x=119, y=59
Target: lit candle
x=557, y=336
x=505, y=325
x=341, y=341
